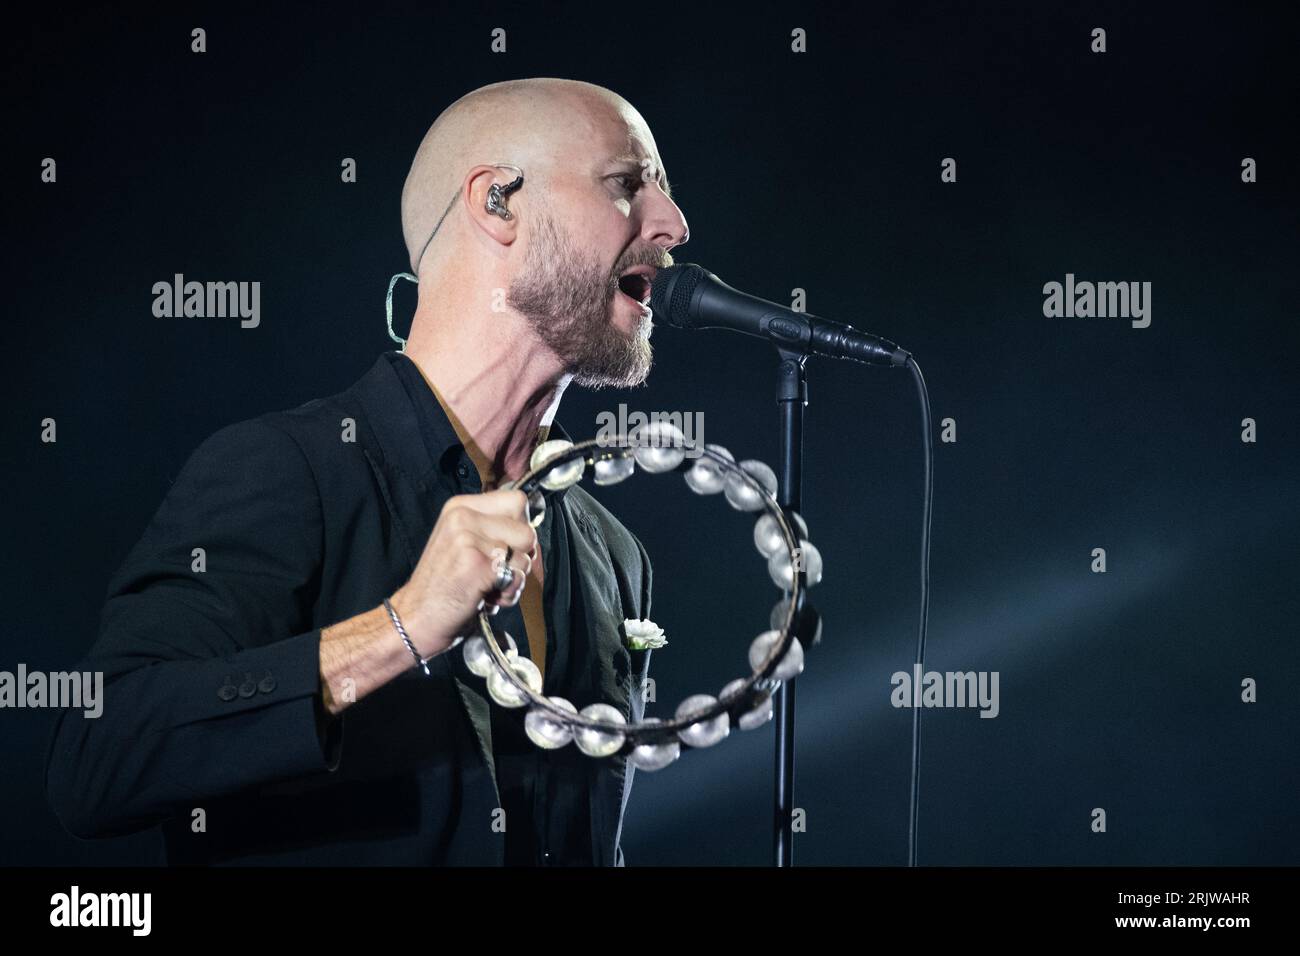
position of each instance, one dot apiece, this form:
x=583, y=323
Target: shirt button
x=462, y=470
x=546, y=857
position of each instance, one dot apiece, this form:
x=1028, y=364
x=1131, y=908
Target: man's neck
x=501, y=391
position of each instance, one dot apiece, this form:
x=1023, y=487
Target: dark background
x=819, y=171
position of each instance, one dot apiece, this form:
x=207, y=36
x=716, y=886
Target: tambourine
x=701, y=720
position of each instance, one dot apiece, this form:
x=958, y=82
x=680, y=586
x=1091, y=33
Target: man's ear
x=475, y=195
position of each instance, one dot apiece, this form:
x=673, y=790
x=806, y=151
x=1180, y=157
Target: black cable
x=914, y=805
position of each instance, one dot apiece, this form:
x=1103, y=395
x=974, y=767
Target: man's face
x=604, y=224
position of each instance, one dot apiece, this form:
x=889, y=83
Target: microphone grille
x=670, y=294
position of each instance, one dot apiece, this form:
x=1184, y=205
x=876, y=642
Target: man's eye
x=630, y=183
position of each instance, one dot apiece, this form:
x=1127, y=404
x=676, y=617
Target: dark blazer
x=212, y=681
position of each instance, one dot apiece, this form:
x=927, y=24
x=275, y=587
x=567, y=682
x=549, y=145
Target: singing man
x=261, y=704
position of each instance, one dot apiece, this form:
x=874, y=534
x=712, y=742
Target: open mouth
x=635, y=284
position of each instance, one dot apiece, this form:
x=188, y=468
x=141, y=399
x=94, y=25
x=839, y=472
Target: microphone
x=687, y=296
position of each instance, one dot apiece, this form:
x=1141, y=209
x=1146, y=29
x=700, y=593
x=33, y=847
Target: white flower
x=643, y=635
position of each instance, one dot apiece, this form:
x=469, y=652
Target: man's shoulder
x=322, y=418
x=320, y=425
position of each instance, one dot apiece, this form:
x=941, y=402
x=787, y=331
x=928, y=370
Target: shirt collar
x=444, y=445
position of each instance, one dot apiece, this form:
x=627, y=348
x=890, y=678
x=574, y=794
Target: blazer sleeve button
x=267, y=684
x=227, y=691
x=249, y=687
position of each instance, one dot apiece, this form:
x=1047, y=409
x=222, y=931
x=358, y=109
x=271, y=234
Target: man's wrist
x=420, y=661
x=358, y=656
x=425, y=638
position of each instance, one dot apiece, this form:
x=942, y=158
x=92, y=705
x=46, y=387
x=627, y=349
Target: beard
x=566, y=296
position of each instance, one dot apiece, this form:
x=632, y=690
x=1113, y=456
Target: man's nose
x=664, y=224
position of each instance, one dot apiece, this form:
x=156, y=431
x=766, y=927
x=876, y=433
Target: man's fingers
x=509, y=595
x=508, y=504
x=523, y=563
x=503, y=531
x=493, y=524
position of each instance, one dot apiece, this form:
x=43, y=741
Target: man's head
x=594, y=214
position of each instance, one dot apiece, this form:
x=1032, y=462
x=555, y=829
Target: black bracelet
x=423, y=663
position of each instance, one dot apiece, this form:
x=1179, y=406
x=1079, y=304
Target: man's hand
x=457, y=574
x=460, y=568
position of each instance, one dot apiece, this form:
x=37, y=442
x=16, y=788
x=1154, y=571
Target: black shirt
x=545, y=794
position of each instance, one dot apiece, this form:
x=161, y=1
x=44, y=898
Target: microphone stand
x=791, y=397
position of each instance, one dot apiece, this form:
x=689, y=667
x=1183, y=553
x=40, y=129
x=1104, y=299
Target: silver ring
x=505, y=577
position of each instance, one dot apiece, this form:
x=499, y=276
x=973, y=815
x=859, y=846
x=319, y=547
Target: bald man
x=295, y=699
